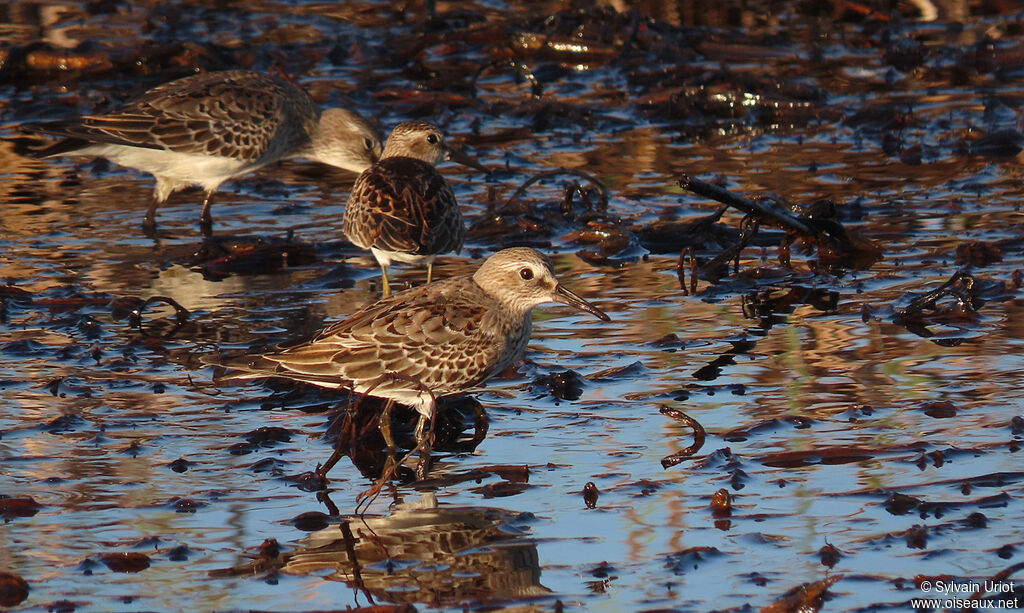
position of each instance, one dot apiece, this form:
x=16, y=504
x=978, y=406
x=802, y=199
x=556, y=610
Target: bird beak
x=566, y=297
x=457, y=156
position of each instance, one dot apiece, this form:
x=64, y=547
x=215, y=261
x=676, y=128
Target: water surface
x=828, y=421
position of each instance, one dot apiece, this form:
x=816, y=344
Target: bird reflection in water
x=420, y=553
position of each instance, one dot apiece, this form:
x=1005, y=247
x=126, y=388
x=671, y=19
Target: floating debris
x=125, y=562
x=13, y=589
x=805, y=598
x=721, y=504
x=590, y=495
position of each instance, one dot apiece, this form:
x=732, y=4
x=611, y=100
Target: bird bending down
x=207, y=128
x=430, y=341
x=402, y=208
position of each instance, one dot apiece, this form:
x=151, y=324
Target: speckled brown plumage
x=402, y=208
x=234, y=114
x=207, y=128
x=449, y=339
x=404, y=205
x=445, y=337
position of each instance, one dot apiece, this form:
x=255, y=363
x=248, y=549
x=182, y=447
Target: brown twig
x=699, y=436
x=520, y=69
x=558, y=171
x=914, y=311
x=181, y=315
x=996, y=578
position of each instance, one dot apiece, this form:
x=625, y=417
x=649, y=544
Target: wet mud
x=802, y=217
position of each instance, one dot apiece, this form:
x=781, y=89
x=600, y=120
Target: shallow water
x=828, y=422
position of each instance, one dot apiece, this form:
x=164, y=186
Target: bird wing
x=404, y=204
x=440, y=337
x=233, y=114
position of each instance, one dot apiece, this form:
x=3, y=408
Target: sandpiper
x=207, y=128
x=430, y=341
x=402, y=208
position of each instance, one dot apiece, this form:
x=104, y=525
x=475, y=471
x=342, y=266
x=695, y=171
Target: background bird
x=402, y=208
x=207, y=128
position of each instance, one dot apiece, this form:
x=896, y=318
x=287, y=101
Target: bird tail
x=250, y=366
x=69, y=144
x=66, y=146
x=240, y=367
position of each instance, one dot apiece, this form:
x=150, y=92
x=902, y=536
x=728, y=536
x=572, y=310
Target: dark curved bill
x=459, y=157
x=566, y=297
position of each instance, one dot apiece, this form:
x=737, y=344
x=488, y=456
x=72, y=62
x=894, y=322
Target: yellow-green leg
x=385, y=426
x=385, y=287
x=205, y=219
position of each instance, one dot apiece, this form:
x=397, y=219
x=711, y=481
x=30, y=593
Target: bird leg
x=149, y=221
x=390, y=463
x=421, y=425
x=385, y=426
x=425, y=439
x=205, y=220
x=339, y=450
x=385, y=287
x=423, y=466
x=422, y=434
x=321, y=471
x=430, y=271
x=424, y=442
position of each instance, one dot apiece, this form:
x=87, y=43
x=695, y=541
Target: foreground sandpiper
x=430, y=341
x=401, y=208
x=208, y=128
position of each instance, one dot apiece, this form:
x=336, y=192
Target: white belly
x=386, y=257
x=173, y=168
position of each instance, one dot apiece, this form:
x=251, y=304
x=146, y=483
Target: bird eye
x=526, y=274
x=369, y=143
x=433, y=139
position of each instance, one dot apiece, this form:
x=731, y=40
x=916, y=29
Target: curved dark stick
x=480, y=425
x=521, y=70
x=554, y=172
x=690, y=290
x=699, y=436
x=928, y=300
x=181, y=315
x=996, y=578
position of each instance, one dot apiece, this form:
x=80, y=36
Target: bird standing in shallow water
x=401, y=208
x=208, y=128
x=430, y=341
